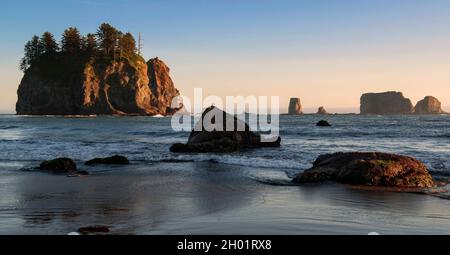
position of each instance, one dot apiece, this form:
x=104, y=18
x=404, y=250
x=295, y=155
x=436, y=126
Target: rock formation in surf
x=428, y=105
x=385, y=103
x=371, y=169
x=225, y=133
x=295, y=106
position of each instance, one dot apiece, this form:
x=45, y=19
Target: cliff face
x=295, y=106
x=122, y=88
x=429, y=105
x=385, y=103
x=161, y=85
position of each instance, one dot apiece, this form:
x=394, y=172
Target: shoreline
x=207, y=198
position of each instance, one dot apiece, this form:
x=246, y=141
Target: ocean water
x=166, y=193
x=147, y=139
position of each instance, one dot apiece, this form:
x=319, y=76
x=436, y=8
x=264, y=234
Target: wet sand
x=205, y=198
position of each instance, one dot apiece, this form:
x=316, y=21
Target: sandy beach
x=206, y=198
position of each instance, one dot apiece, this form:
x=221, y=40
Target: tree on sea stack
x=49, y=43
x=127, y=45
x=71, y=41
x=107, y=36
x=33, y=50
x=90, y=44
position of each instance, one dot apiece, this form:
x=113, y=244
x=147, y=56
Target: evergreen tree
x=48, y=42
x=90, y=44
x=71, y=41
x=127, y=45
x=107, y=37
x=33, y=50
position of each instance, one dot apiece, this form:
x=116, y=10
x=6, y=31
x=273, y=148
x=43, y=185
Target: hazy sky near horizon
x=327, y=52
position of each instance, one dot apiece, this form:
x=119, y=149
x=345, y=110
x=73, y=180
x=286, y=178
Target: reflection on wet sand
x=206, y=198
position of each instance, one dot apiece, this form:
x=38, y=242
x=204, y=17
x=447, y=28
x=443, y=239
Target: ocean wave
x=240, y=160
x=437, y=136
x=6, y=127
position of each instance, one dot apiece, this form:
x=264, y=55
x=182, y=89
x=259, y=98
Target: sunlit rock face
x=368, y=168
x=428, y=105
x=87, y=88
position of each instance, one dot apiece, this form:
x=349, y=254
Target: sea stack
x=428, y=105
x=385, y=103
x=58, y=86
x=322, y=111
x=232, y=135
x=295, y=106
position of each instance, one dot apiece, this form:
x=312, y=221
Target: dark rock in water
x=295, y=107
x=217, y=138
x=323, y=123
x=94, y=230
x=114, y=160
x=385, y=103
x=371, y=169
x=59, y=165
x=322, y=111
x=428, y=105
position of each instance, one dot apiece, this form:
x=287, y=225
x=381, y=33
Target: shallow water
x=164, y=193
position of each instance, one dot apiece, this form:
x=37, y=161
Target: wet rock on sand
x=62, y=166
x=371, y=169
x=114, y=160
x=94, y=230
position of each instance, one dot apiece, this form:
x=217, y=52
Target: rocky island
x=98, y=73
x=428, y=105
x=295, y=107
x=385, y=103
x=322, y=111
x=395, y=103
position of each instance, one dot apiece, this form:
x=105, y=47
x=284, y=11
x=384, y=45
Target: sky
x=327, y=52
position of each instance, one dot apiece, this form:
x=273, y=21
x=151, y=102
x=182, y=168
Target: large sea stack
x=428, y=105
x=385, y=103
x=295, y=106
x=101, y=73
x=58, y=86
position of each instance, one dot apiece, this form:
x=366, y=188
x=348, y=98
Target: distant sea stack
x=428, y=105
x=88, y=75
x=295, y=106
x=322, y=111
x=385, y=103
